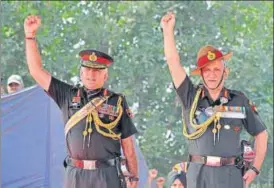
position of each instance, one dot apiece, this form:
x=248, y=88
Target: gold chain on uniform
x=201, y=128
x=109, y=126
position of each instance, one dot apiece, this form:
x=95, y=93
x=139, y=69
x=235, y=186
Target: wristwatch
x=255, y=170
x=133, y=179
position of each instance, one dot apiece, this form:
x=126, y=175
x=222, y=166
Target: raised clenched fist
x=31, y=24
x=152, y=173
x=168, y=21
x=160, y=182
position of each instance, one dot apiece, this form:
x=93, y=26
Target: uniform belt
x=90, y=164
x=212, y=160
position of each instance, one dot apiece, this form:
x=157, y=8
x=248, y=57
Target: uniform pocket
x=232, y=125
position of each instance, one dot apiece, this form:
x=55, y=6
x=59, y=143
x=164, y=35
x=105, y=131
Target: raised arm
x=34, y=61
x=172, y=56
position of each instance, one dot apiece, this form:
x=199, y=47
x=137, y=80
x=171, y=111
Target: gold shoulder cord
x=109, y=126
x=201, y=128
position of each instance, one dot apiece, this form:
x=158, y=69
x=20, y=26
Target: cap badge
x=93, y=57
x=211, y=55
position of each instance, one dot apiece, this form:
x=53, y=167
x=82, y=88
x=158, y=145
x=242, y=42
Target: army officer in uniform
x=213, y=118
x=97, y=120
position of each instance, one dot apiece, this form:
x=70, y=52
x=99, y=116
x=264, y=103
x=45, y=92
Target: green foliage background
x=130, y=32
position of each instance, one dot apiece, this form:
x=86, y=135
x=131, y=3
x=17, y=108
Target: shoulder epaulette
x=198, y=86
x=237, y=92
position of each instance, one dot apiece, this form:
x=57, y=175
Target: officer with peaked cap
x=213, y=117
x=97, y=121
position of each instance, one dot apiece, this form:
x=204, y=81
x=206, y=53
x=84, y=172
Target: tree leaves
x=130, y=32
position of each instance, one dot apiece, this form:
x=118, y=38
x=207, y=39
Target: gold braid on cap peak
x=201, y=128
x=109, y=126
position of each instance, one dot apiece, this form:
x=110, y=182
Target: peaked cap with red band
x=207, y=55
x=95, y=59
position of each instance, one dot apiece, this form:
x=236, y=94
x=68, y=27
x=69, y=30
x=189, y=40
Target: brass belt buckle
x=89, y=165
x=213, y=161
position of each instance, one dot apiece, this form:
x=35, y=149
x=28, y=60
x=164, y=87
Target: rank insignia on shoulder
x=76, y=99
x=75, y=105
x=129, y=113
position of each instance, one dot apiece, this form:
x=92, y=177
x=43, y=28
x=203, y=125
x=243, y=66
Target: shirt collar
x=93, y=93
x=224, y=93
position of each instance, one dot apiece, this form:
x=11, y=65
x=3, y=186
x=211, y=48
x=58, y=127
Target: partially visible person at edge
x=15, y=83
x=213, y=118
x=97, y=121
x=176, y=178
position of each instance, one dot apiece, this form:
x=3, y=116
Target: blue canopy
x=33, y=143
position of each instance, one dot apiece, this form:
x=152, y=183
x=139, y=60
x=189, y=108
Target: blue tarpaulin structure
x=33, y=143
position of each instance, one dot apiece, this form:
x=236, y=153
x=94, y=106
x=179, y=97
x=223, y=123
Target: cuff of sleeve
x=183, y=85
x=129, y=134
x=259, y=131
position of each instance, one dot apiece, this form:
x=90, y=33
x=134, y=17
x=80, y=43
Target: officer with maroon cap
x=97, y=121
x=213, y=118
